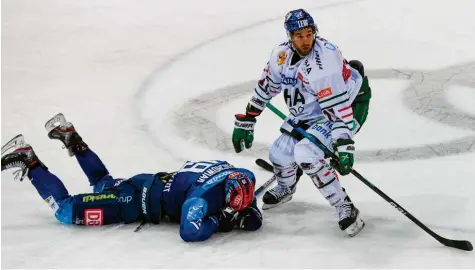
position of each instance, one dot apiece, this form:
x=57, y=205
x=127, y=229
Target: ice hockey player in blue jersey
x=203, y=197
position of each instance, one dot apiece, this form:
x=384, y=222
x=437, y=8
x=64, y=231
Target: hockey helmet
x=239, y=191
x=298, y=19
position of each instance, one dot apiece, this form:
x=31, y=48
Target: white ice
x=118, y=69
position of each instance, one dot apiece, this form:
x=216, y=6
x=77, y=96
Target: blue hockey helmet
x=298, y=19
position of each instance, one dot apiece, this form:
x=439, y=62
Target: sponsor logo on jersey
x=93, y=217
x=143, y=200
x=318, y=61
x=124, y=199
x=217, y=178
x=324, y=93
x=168, y=185
x=92, y=198
x=282, y=58
x=288, y=80
x=324, y=129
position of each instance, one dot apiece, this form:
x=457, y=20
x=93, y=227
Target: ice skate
x=58, y=128
x=349, y=218
x=278, y=195
x=17, y=154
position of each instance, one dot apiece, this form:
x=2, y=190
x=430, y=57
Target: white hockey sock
x=286, y=176
x=326, y=180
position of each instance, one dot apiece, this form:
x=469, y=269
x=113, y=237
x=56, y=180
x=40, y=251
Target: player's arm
x=267, y=87
x=195, y=225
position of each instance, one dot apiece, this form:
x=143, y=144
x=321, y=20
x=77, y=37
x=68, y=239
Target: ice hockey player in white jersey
x=319, y=87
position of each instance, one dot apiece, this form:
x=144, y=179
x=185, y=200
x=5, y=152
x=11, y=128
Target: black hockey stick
x=459, y=244
x=264, y=186
x=264, y=165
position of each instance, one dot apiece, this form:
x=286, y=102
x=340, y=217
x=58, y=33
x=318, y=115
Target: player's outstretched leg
x=58, y=128
x=16, y=154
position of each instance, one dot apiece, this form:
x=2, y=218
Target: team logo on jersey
x=324, y=93
x=282, y=58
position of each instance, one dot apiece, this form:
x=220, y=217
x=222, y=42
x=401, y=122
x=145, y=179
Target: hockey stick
x=264, y=186
x=459, y=244
x=265, y=165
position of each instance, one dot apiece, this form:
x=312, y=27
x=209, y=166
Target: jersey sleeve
x=195, y=225
x=334, y=99
x=269, y=85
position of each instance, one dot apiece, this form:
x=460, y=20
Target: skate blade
x=355, y=228
x=269, y=206
x=55, y=121
x=17, y=142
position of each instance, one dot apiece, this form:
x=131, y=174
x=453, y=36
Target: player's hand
x=243, y=133
x=346, y=150
x=250, y=219
x=227, y=219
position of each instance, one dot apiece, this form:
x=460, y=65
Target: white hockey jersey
x=321, y=83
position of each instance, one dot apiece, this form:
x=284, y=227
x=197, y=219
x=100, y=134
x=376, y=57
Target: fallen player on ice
x=203, y=197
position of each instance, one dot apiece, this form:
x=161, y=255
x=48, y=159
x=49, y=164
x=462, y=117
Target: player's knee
x=64, y=213
x=306, y=153
x=282, y=150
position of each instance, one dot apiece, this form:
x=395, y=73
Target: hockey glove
x=243, y=133
x=250, y=219
x=346, y=150
x=227, y=219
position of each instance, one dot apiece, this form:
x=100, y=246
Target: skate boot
x=58, y=128
x=349, y=217
x=281, y=193
x=17, y=154
x=278, y=195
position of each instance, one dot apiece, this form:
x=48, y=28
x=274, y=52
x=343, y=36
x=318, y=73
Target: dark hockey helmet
x=298, y=19
x=239, y=191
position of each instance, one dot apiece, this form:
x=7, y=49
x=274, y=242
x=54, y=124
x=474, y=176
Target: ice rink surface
x=151, y=84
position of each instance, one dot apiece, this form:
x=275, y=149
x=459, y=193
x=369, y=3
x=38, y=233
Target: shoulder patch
x=329, y=46
x=282, y=58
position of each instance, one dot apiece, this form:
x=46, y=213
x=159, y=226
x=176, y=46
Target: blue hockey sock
x=92, y=166
x=48, y=185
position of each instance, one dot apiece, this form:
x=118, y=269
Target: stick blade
x=265, y=165
x=458, y=244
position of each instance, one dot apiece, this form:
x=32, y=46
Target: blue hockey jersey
x=195, y=195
